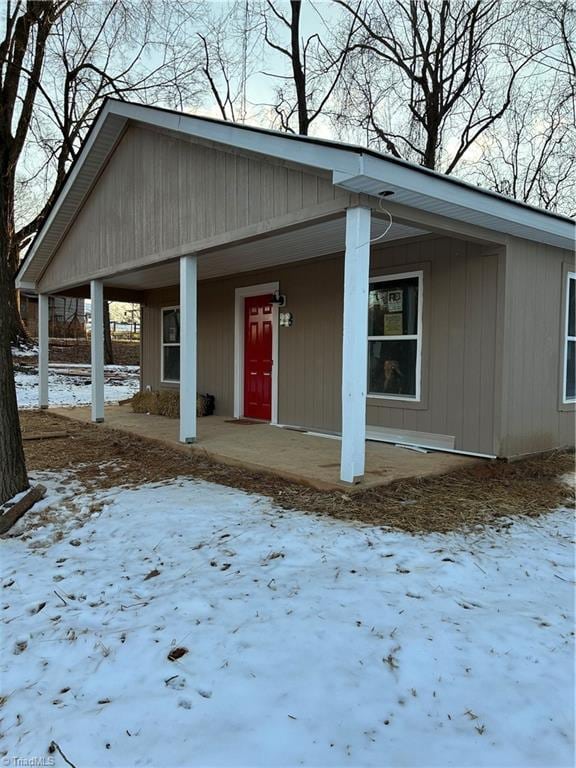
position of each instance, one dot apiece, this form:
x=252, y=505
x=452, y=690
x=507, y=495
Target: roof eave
x=354, y=168
x=463, y=202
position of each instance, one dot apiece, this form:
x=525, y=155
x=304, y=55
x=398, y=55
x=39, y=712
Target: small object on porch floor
x=11, y=516
x=205, y=405
x=247, y=422
x=167, y=403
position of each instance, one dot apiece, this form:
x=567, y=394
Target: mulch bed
x=488, y=493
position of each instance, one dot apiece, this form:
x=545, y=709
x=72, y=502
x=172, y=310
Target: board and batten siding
x=459, y=341
x=158, y=193
x=533, y=417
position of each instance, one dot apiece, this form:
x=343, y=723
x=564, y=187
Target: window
x=395, y=336
x=569, y=384
x=170, y=344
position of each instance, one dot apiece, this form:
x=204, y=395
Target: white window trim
x=389, y=277
x=567, y=338
x=167, y=344
x=240, y=295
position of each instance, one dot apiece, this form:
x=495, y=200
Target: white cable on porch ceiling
x=388, y=228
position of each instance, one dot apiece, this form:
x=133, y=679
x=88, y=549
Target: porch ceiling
x=321, y=239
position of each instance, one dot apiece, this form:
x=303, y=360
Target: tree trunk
x=19, y=335
x=108, y=348
x=11, y=517
x=297, y=69
x=13, y=477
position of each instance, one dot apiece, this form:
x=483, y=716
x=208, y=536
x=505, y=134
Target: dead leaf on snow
x=177, y=653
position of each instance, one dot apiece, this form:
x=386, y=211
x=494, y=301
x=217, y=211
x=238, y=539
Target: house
x=316, y=284
x=67, y=317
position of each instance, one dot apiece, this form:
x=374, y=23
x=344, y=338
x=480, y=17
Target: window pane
x=171, y=363
x=572, y=307
x=171, y=326
x=393, y=307
x=392, y=367
x=571, y=371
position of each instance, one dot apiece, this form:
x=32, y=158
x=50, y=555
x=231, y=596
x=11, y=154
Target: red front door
x=258, y=357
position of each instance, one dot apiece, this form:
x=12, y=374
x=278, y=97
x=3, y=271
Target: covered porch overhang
x=351, y=230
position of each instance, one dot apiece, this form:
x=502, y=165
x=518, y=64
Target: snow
x=75, y=390
x=24, y=351
x=309, y=641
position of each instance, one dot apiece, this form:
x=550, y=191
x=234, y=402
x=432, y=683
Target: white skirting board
x=400, y=438
x=408, y=437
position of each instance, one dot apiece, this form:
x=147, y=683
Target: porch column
x=188, y=347
x=97, y=349
x=43, y=341
x=355, y=344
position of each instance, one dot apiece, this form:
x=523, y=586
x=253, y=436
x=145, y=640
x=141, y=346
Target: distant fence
x=125, y=331
x=122, y=331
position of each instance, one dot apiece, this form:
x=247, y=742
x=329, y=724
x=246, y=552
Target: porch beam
x=303, y=217
x=43, y=343
x=355, y=344
x=97, y=349
x=188, y=347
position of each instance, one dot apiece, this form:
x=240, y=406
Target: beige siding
x=532, y=416
x=458, y=353
x=309, y=351
x=159, y=193
x=460, y=294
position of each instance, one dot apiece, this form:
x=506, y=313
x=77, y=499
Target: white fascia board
x=316, y=155
x=107, y=109
x=378, y=174
x=23, y=285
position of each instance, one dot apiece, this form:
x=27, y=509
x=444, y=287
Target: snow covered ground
x=307, y=641
x=75, y=390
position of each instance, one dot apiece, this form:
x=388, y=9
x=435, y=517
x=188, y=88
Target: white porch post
x=43, y=341
x=355, y=344
x=97, y=349
x=188, y=347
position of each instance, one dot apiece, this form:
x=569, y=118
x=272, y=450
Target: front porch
x=288, y=453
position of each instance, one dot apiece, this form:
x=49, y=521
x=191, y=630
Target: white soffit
x=444, y=196
x=301, y=244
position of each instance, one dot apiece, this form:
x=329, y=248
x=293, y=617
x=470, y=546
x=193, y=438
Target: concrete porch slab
x=291, y=454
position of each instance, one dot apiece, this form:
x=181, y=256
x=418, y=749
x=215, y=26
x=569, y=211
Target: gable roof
x=354, y=168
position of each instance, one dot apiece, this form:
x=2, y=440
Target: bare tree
x=532, y=155
x=229, y=37
x=96, y=50
x=58, y=60
x=429, y=78
x=315, y=61
x=24, y=46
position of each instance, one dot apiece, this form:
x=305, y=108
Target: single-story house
x=316, y=284
x=67, y=316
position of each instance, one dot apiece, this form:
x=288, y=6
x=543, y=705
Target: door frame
x=239, y=335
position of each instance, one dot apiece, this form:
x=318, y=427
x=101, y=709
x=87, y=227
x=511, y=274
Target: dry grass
x=485, y=494
x=162, y=403
x=165, y=403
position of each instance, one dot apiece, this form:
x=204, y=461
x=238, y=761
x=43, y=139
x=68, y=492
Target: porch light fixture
x=278, y=299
